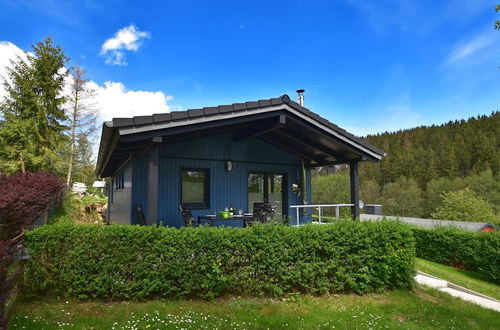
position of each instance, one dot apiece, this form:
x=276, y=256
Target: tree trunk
x=23, y=165
x=73, y=130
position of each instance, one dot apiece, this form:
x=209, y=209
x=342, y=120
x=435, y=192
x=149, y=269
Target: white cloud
x=8, y=52
x=113, y=98
x=129, y=38
x=116, y=101
x=470, y=47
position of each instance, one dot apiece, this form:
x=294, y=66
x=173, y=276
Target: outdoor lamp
x=229, y=165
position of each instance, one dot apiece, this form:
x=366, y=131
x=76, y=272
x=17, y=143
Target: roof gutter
x=109, y=139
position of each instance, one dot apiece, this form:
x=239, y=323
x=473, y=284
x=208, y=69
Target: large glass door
x=267, y=187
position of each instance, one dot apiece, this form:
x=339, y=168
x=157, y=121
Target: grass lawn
x=470, y=280
x=87, y=199
x=422, y=308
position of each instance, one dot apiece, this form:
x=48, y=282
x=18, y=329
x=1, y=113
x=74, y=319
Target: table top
x=233, y=217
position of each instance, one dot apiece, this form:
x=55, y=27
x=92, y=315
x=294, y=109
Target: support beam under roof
x=354, y=176
x=320, y=148
x=260, y=128
x=292, y=150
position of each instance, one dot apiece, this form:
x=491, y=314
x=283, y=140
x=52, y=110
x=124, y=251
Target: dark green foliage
x=133, y=262
x=402, y=198
x=457, y=148
x=497, y=22
x=475, y=251
x=32, y=134
x=434, y=191
x=330, y=189
x=83, y=164
x=370, y=191
x=422, y=164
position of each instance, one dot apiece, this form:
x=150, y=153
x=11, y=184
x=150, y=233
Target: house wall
x=226, y=188
x=121, y=197
x=140, y=184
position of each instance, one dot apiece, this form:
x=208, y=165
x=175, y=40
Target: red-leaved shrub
x=23, y=199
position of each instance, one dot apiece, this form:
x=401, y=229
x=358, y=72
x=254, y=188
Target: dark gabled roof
x=142, y=125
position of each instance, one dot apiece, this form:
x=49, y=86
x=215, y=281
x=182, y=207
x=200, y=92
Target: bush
x=435, y=188
x=475, y=251
x=24, y=197
x=465, y=205
x=133, y=262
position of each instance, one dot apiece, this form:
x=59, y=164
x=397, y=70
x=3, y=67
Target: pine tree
x=33, y=132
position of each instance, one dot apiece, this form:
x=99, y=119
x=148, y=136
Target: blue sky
x=368, y=66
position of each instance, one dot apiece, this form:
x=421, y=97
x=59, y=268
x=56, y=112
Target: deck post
x=354, y=176
x=152, y=210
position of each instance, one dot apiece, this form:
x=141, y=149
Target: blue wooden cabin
x=223, y=156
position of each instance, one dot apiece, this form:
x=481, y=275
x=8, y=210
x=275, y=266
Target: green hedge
x=477, y=251
x=133, y=262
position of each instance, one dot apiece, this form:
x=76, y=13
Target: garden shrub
x=476, y=251
x=23, y=199
x=134, y=262
x=465, y=205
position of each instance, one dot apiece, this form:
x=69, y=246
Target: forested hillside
x=454, y=149
x=429, y=171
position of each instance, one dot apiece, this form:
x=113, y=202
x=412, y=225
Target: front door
x=267, y=187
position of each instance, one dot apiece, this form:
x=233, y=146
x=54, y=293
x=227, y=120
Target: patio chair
x=263, y=212
x=140, y=214
x=187, y=216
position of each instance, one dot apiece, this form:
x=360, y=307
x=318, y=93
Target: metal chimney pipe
x=301, y=96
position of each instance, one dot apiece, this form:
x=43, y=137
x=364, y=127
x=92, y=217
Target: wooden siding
x=226, y=188
x=139, y=184
x=120, y=207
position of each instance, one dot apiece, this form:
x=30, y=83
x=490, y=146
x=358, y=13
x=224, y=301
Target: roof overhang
x=284, y=124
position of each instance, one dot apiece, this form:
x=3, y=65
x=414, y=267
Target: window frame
x=206, y=189
x=267, y=187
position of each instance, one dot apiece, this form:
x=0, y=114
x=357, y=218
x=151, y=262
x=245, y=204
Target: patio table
x=213, y=218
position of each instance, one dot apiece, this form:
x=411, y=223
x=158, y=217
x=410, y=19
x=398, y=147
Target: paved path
x=458, y=291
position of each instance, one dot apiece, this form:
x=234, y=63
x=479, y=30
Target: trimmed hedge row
x=133, y=262
x=477, y=251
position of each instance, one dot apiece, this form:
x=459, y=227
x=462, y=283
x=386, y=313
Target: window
x=195, y=188
x=119, y=181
